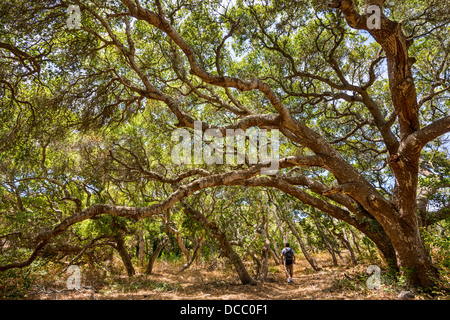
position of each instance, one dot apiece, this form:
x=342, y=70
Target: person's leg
x=291, y=272
x=286, y=271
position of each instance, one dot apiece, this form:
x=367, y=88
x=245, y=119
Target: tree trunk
x=257, y=262
x=296, y=234
x=312, y=262
x=275, y=257
x=347, y=244
x=400, y=222
x=124, y=255
x=413, y=259
x=141, y=248
x=331, y=251
x=403, y=229
x=155, y=254
x=334, y=243
x=225, y=244
x=355, y=241
x=344, y=241
x=195, y=255
x=352, y=252
x=185, y=251
x=171, y=229
x=262, y=276
x=328, y=245
x=237, y=263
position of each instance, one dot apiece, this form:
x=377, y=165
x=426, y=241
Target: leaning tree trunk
x=124, y=255
x=257, y=262
x=312, y=262
x=355, y=241
x=169, y=228
x=195, y=255
x=350, y=249
x=155, y=254
x=298, y=236
x=347, y=244
x=344, y=241
x=225, y=244
x=334, y=243
x=328, y=245
x=183, y=248
x=275, y=257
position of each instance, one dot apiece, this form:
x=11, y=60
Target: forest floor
x=197, y=283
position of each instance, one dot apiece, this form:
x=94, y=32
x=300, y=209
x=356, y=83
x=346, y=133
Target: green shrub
x=438, y=245
x=14, y=283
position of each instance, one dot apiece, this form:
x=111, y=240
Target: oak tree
x=362, y=106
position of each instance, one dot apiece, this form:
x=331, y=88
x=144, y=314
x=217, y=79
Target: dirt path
x=199, y=284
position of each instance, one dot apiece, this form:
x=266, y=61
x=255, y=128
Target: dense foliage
x=87, y=116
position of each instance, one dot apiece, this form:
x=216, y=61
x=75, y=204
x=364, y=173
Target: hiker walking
x=288, y=257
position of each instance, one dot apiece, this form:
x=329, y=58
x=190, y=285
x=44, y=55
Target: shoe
x=292, y=280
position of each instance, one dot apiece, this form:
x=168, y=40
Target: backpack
x=289, y=256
